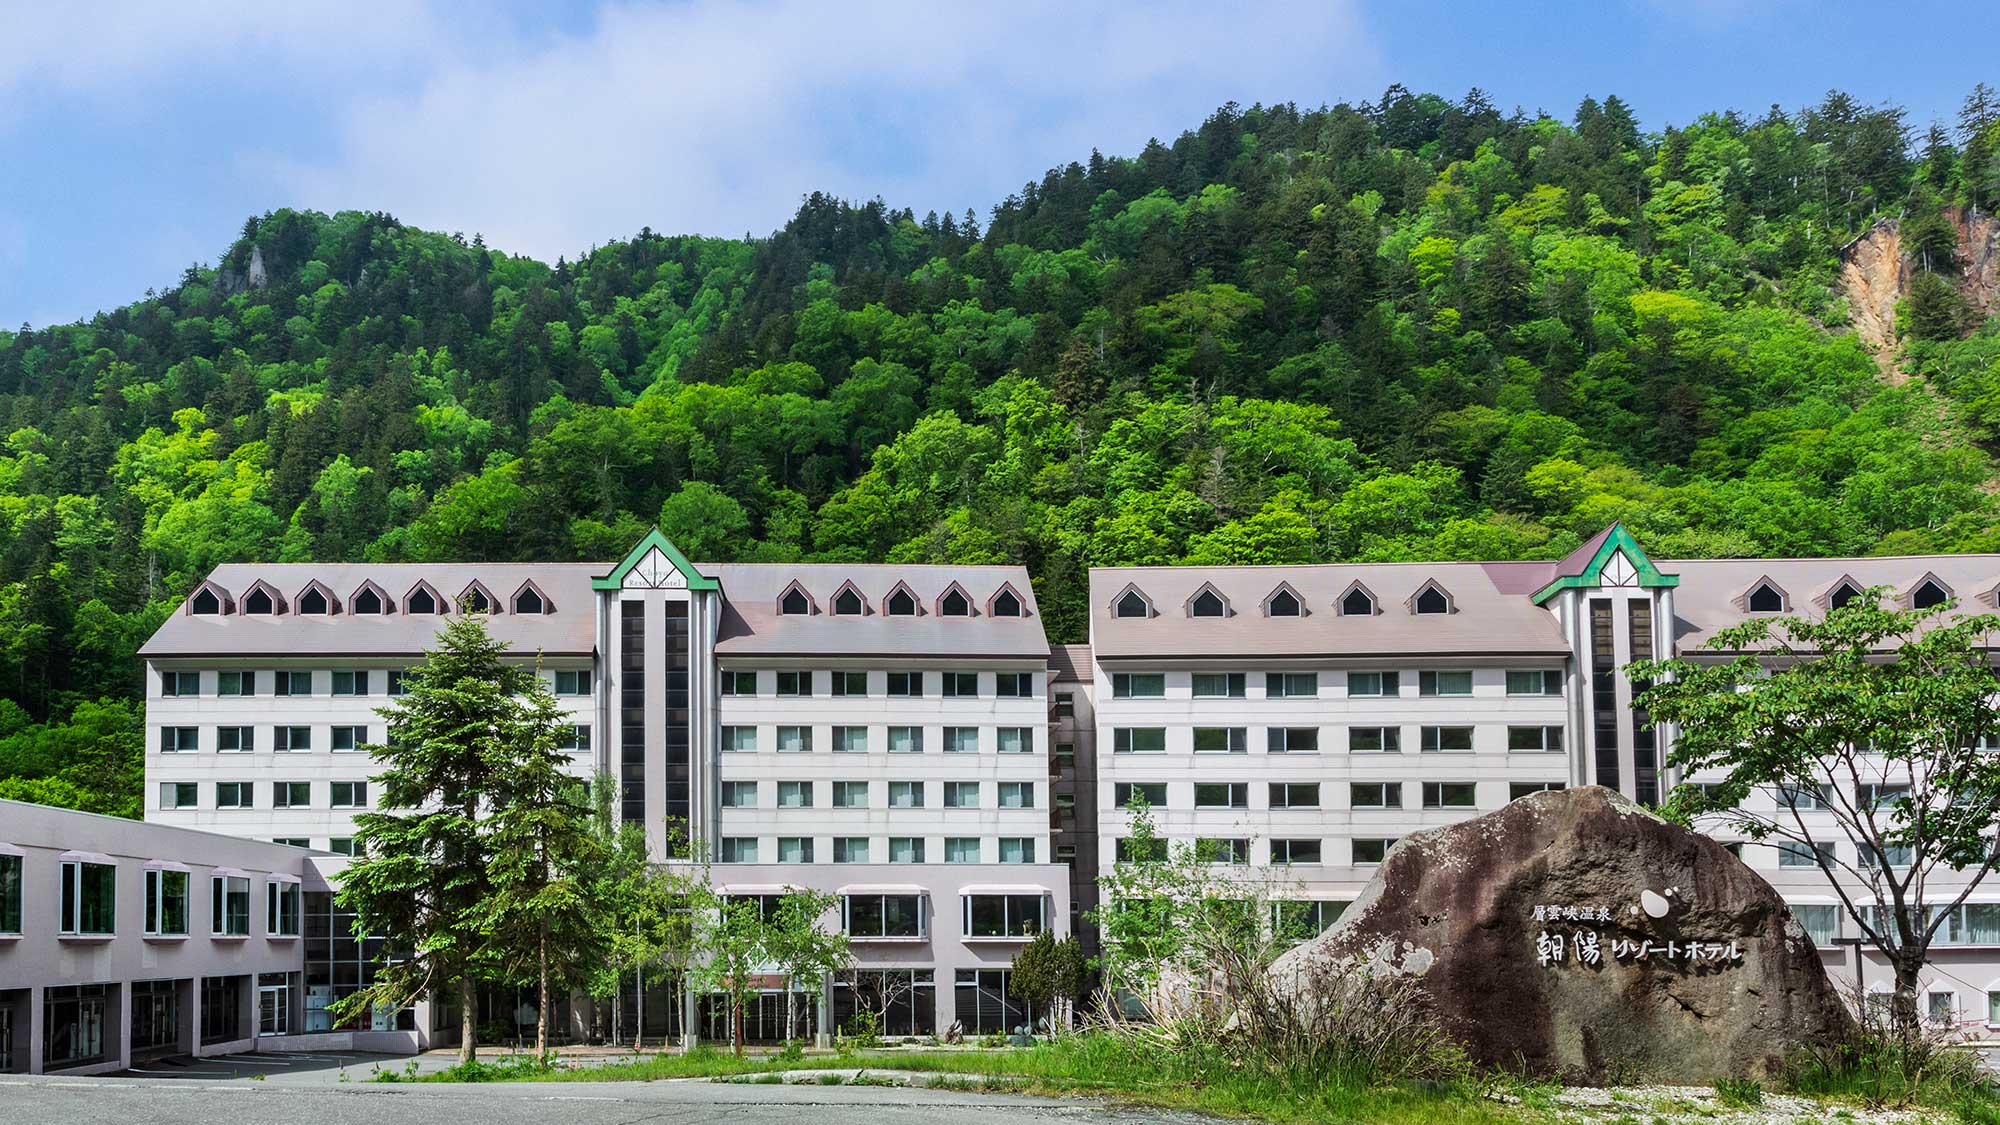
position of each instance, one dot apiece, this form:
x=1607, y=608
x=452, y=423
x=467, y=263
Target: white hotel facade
x=906, y=738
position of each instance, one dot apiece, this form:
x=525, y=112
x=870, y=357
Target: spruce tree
x=423, y=872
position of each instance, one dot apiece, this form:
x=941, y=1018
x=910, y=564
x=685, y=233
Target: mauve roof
x=1712, y=591
x=570, y=630
x=1070, y=662
x=1493, y=615
x=752, y=625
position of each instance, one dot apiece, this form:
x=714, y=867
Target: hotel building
x=906, y=738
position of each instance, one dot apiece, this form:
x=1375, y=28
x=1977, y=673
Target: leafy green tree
x=544, y=919
x=1865, y=729
x=1048, y=974
x=734, y=946
x=803, y=949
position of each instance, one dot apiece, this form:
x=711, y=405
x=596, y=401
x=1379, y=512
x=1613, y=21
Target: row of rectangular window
x=898, y=740
x=1306, y=740
x=87, y=901
x=1364, y=850
x=341, y=681
x=1282, y=795
x=299, y=739
x=800, y=684
x=860, y=849
x=1306, y=685
x=880, y=916
x=856, y=794
x=284, y=795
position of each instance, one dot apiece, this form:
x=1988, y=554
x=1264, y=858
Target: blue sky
x=135, y=138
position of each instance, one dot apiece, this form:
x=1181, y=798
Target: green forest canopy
x=1414, y=328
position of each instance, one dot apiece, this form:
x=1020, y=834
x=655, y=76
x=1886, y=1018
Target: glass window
x=906, y=849
x=961, y=849
x=347, y=739
x=281, y=908
x=166, y=903
x=794, y=603
x=1432, y=600
x=1221, y=740
x=1450, y=795
x=573, y=682
x=180, y=740
x=1005, y=915
x=739, y=683
x=954, y=604
x=961, y=794
x=1013, y=740
x=1372, y=850
x=1444, y=683
x=1443, y=739
x=291, y=740
x=850, y=794
x=795, y=740
x=1295, y=851
x=902, y=603
x=1283, y=604
x=1373, y=683
x=1291, y=685
x=739, y=849
x=959, y=685
x=795, y=849
x=739, y=740
x=526, y=600
x=1821, y=922
x=350, y=795
x=906, y=740
x=850, y=740
x=293, y=683
x=1138, y=685
x=89, y=898
x=291, y=794
x=73, y=1018
x=1535, y=739
x=850, y=849
x=1017, y=794
x=1127, y=793
x=178, y=795
x=350, y=683
x=1294, y=794
x=1218, y=685
x=1207, y=604
x=229, y=906
x=882, y=916
x=342, y=845
x=398, y=682
x=579, y=737
x=906, y=794
x=1375, y=794
x=1139, y=740
x=1519, y=789
x=1356, y=603
x=235, y=740
x=1375, y=740
x=796, y=685
x=1006, y=604
x=1799, y=855
x=1132, y=604
x=961, y=740
x=234, y=795
x=795, y=794
x=173, y=684
x=850, y=684
x=739, y=794
x=1221, y=794
x=1014, y=685
x=906, y=685
x=1292, y=740
x=1017, y=849
x=1233, y=851
x=1548, y=682
x=236, y=683
x=847, y=603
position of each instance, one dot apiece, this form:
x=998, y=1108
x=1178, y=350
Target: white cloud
x=713, y=117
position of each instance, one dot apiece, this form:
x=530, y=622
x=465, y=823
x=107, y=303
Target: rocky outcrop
x=1574, y=934
x=1874, y=275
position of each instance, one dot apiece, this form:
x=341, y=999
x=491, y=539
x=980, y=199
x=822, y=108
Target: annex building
x=907, y=738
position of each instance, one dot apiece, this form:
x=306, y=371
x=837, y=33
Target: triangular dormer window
x=1765, y=597
x=476, y=598
x=423, y=600
x=1929, y=593
x=210, y=600
x=1431, y=598
x=1007, y=603
x=901, y=602
x=1284, y=602
x=530, y=599
x=368, y=599
x=1357, y=601
x=848, y=602
x=795, y=602
x=954, y=602
x=317, y=600
x=1208, y=602
x=262, y=601
x=1131, y=603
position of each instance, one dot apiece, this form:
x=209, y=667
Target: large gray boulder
x=1576, y=935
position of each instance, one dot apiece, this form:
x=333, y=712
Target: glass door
x=274, y=1010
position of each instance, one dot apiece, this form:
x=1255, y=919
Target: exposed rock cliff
x=1875, y=274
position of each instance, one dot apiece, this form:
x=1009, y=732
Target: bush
x=1737, y=1093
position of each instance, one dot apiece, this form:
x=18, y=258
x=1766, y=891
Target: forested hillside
x=1412, y=328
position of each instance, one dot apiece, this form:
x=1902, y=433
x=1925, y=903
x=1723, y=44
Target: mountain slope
x=1413, y=328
